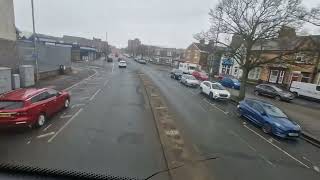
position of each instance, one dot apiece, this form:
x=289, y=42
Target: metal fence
x=50, y=56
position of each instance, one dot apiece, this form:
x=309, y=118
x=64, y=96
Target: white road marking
x=204, y=99
x=307, y=159
x=28, y=142
x=83, y=98
x=106, y=82
x=316, y=168
x=65, y=116
x=46, y=128
x=94, y=95
x=68, y=88
x=45, y=135
x=65, y=125
x=265, y=159
x=203, y=108
x=277, y=147
x=225, y=112
x=244, y=141
x=77, y=105
x=161, y=107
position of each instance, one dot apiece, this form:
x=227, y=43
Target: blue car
x=230, y=82
x=269, y=117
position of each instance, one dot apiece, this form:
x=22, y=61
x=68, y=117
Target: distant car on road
x=269, y=117
x=201, y=76
x=230, y=82
x=214, y=90
x=176, y=74
x=273, y=91
x=189, y=80
x=31, y=107
x=109, y=59
x=122, y=64
x=142, y=61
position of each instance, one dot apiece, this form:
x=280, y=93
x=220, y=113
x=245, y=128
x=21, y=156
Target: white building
x=7, y=27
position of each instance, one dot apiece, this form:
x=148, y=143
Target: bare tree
x=252, y=23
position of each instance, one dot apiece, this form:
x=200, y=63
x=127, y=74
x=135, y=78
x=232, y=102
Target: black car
x=176, y=74
x=273, y=91
x=109, y=59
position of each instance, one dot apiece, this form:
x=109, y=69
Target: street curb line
x=305, y=136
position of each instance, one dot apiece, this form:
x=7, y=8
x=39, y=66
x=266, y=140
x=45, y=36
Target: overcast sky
x=169, y=23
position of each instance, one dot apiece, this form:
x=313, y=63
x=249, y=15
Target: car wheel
x=277, y=98
x=40, y=121
x=266, y=128
x=211, y=95
x=256, y=93
x=66, y=103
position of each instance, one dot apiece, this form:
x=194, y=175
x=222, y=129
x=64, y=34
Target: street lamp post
x=35, y=42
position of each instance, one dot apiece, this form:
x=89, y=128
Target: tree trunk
x=315, y=70
x=244, y=78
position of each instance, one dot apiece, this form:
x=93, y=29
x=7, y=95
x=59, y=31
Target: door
x=56, y=100
x=273, y=76
x=281, y=76
x=257, y=113
x=269, y=91
x=206, y=87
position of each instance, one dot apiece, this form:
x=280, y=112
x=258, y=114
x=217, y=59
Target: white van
x=188, y=68
x=305, y=89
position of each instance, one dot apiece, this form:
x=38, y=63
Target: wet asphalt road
x=109, y=128
x=243, y=151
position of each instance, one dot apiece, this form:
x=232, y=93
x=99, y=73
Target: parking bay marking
x=65, y=125
x=277, y=147
x=215, y=106
x=45, y=135
x=46, y=128
x=94, y=95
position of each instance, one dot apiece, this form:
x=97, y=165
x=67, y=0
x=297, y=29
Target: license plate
x=293, y=134
x=5, y=115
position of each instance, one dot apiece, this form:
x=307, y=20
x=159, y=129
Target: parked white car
x=189, y=80
x=188, y=68
x=305, y=89
x=214, y=90
x=122, y=64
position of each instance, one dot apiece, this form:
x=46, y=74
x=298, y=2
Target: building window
x=235, y=71
x=226, y=69
x=169, y=53
x=305, y=77
x=255, y=73
x=300, y=58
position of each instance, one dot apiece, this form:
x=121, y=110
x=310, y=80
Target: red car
x=31, y=107
x=201, y=76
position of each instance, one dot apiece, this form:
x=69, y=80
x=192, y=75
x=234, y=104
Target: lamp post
x=35, y=42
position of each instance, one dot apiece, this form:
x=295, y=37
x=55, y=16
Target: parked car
x=109, y=59
x=214, y=90
x=31, y=107
x=176, y=74
x=188, y=68
x=201, y=76
x=273, y=91
x=305, y=89
x=269, y=117
x=142, y=61
x=230, y=82
x=189, y=80
x=122, y=64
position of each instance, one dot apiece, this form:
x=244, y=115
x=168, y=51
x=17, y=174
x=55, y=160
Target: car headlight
x=215, y=93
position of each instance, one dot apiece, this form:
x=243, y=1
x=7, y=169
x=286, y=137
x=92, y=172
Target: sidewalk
x=305, y=112
x=64, y=81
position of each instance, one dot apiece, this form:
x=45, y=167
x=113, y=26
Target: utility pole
x=35, y=53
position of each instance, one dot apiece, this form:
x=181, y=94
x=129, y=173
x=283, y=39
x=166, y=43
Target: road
x=109, y=128
x=243, y=151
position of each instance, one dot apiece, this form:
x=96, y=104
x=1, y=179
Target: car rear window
x=7, y=105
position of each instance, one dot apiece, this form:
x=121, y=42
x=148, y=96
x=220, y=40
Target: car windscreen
x=218, y=86
x=192, y=68
x=9, y=105
x=273, y=111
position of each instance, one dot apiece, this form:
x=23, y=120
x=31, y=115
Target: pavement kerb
x=305, y=135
